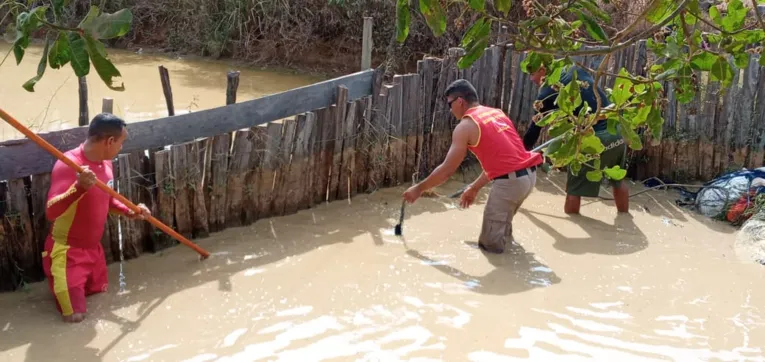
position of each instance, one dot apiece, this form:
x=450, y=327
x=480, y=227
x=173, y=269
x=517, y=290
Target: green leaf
x=60, y=53
x=80, y=61
x=660, y=10
x=703, y=61
x=478, y=5
x=103, y=65
x=741, y=59
x=595, y=31
x=554, y=76
x=611, y=125
x=434, y=16
x=714, y=14
x=575, y=167
x=595, y=10
x=594, y=175
x=622, y=88
x=402, y=20
x=474, y=42
x=560, y=128
x=531, y=63
x=632, y=138
x=26, y=24
x=591, y=144
x=642, y=115
x=736, y=16
x=30, y=84
x=105, y=25
x=503, y=6
x=655, y=123
x=615, y=173
x=722, y=71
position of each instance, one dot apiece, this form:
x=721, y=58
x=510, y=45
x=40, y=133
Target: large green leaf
x=714, y=14
x=622, y=88
x=722, y=71
x=629, y=134
x=595, y=10
x=703, y=61
x=591, y=144
x=105, y=25
x=60, y=53
x=478, y=5
x=402, y=20
x=80, y=61
x=736, y=16
x=655, y=123
x=594, y=175
x=592, y=26
x=26, y=24
x=30, y=84
x=104, y=67
x=660, y=10
x=560, y=128
x=503, y=6
x=474, y=42
x=615, y=173
x=741, y=59
x=434, y=16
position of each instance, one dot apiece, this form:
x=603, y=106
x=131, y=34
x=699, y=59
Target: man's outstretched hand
x=412, y=194
x=143, y=215
x=468, y=197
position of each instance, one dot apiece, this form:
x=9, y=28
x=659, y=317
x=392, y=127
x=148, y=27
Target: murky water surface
x=334, y=283
x=197, y=84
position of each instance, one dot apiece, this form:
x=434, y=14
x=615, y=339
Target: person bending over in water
x=579, y=186
x=73, y=258
x=491, y=136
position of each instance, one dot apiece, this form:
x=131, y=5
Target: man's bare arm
x=457, y=153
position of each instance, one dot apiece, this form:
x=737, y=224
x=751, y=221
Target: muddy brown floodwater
x=334, y=283
x=197, y=84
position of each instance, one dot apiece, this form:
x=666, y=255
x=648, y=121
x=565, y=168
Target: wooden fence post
x=84, y=119
x=107, y=105
x=232, y=87
x=164, y=76
x=366, y=45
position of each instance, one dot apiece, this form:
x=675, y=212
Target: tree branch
x=605, y=49
x=757, y=14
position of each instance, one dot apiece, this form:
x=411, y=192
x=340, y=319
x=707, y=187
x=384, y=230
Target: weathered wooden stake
x=232, y=87
x=84, y=119
x=366, y=45
x=107, y=105
x=164, y=76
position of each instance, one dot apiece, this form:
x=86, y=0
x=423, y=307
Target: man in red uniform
x=491, y=136
x=73, y=258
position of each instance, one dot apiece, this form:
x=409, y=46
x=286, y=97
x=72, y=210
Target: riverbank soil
x=334, y=283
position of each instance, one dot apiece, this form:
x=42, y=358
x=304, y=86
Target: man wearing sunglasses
x=491, y=136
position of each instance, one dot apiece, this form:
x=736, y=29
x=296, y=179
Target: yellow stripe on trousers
x=58, y=257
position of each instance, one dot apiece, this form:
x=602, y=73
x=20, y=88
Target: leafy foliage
x=555, y=35
x=80, y=46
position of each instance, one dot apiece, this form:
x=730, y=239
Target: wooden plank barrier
x=273, y=156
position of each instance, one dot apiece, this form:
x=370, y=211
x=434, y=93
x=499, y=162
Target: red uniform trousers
x=74, y=273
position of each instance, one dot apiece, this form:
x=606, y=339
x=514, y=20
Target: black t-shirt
x=547, y=95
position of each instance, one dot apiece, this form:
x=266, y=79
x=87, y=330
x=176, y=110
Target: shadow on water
x=658, y=203
x=515, y=271
x=621, y=238
x=30, y=321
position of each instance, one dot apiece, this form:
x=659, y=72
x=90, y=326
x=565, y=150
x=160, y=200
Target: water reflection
x=197, y=84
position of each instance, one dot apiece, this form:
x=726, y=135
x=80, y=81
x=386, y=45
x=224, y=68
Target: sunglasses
x=449, y=103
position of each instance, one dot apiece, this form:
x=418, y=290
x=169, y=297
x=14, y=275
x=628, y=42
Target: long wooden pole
x=48, y=147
